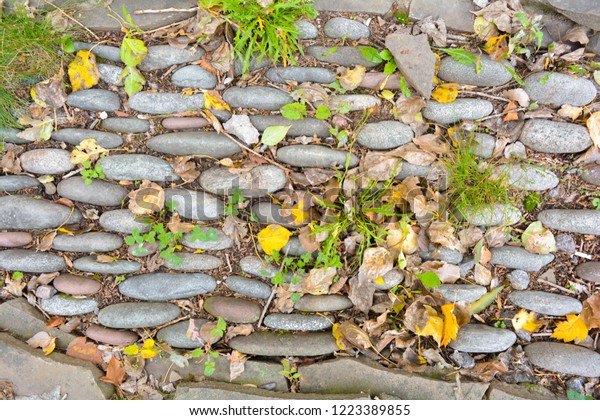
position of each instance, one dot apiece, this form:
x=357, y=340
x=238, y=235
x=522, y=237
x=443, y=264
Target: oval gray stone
x=260, y=181
x=592, y=175
x=126, y=125
x=239, y=311
x=519, y=279
x=137, y=314
x=589, y=271
x=184, y=123
x=285, y=344
x=249, y=287
x=135, y=167
x=96, y=100
x=111, y=74
x=15, y=239
x=29, y=261
x=530, y=177
x=582, y=221
x=103, y=51
x=518, y=258
x=555, y=137
x=477, y=338
x=493, y=215
x=545, y=303
x=194, y=76
x=493, y=73
x=449, y=255
x=341, y=55
x=270, y=213
x=30, y=213
x=9, y=135
x=339, y=27
x=306, y=30
x=358, y=102
x=75, y=136
x=89, y=264
x=323, y=303
x=110, y=336
x=88, y=242
x=297, y=322
x=99, y=193
x=408, y=169
x=165, y=103
x=195, y=205
x=58, y=305
x=557, y=89
x=315, y=156
x=76, y=285
x=305, y=127
x=194, y=262
x=390, y=279
x=163, y=56
x=12, y=183
x=255, y=266
x=483, y=145
x=46, y=161
x=175, y=335
x=222, y=242
x=459, y=110
x=384, y=135
x=257, y=97
x=167, y=286
x=123, y=221
x=300, y=74
x=564, y=358
x=461, y=292
x=194, y=143
x=293, y=248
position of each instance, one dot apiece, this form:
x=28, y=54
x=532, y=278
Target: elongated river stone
x=195, y=205
x=315, y=156
x=578, y=221
x=29, y=261
x=58, y=305
x=194, y=143
x=13, y=183
x=476, y=338
x=258, y=182
x=94, y=100
x=88, y=242
x=557, y=89
x=190, y=262
x=176, y=335
x=285, y=344
x=30, y=213
x=459, y=110
x=545, y=303
x=297, y=322
x=240, y=311
x=258, y=97
x=98, y=192
x=123, y=221
x=564, y=358
x=137, y=314
x=46, y=161
x=167, y=286
x=91, y=265
x=555, y=137
x=165, y=103
x=134, y=167
x=518, y=258
x=75, y=136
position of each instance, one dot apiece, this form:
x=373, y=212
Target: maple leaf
x=446, y=93
x=273, y=238
x=571, y=329
x=450, y=324
x=526, y=321
x=83, y=71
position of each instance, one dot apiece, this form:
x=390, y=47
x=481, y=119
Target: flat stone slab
x=414, y=59
x=323, y=303
x=530, y=177
x=493, y=215
x=545, y=303
x=285, y=344
x=30, y=261
x=20, y=212
x=165, y=103
x=341, y=55
x=111, y=336
x=58, y=305
x=135, y=167
x=315, y=156
x=297, y=322
x=350, y=375
x=98, y=192
x=126, y=125
x=257, y=97
x=589, y=271
x=167, y=286
x=75, y=136
x=493, y=73
x=222, y=242
x=477, y=338
x=306, y=127
x=564, y=358
x=32, y=373
x=46, y=161
x=557, y=89
x=13, y=183
x=76, y=285
x=384, y=135
x=459, y=110
x=88, y=242
x=300, y=75
x=137, y=314
x=163, y=56
x=377, y=7
x=456, y=13
x=195, y=205
x=194, y=262
x=260, y=181
x=15, y=239
x=340, y=27
x=461, y=292
x=96, y=100
x=578, y=221
x=503, y=391
x=194, y=143
x=248, y=287
x=518, y=258
x=240, y=311
x=91, y=265
x=555, y=137
x=176, y=335
x=123, y=221
x=194, y=76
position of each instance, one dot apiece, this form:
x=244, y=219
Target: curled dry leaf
x=87, y=151
x=486, y=371
x=593, y=126
x=115, y=372
x=318, y=280
x=350, y=78
x=361, y=292
x=442, y=233
x=237, y=364
x=14, y=286
x=526, y=321
x=431, y=143
x=401, y=238
x=577, y=34
x=350, y=333
x=376, y=262
x=283, y=301
x=538, y=239
x=379, y=165
x=496, y=237
x=46, y=242
x=44, y=341
x=176, y=225
x=11, y=163
x=570, y=112
x=482, y=275
x=412, y=154
x=517, y=95
x=185, y=167
x=235, y=228
x=205, y=332
x=591, y=311
x=242, y=329
x=447, y=273
x=213, y=100
x=82, y=349
x=407, y=109
x=241, y=127
x=147, y=199
x=50, y=93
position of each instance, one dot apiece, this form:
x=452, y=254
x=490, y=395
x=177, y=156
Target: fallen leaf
x=147, y=199
x=11, y=163
x=237, y=364
x=318, y=280
x=412, y=154
x=115, y=372
x=539, y=240
x=274, y=134
x=176, y=225
x=50, y=93
x=351, y=79
x=450, y=324
x=431, y=143
x=526, y=321
x=593, y=126
x=376, y=263
x=46, y=242
x=213, y=100
x=497, y=47
x=591, y=311
x=44, y=341
x=407, y=109
x=234, y=331
x=14, y=286
x=83, y=71
x=351, y=333
x=241, y=127
x=401, y=238
x=517, y=95
x=570, y=112
x=149, y=350
x=578, y=34
x=132, y=51
x=105, y=259
x=434, y=327
x=446, y=92
x=273, y=238
x=484, y=29
x=82, y=349
x=422, y=319
x=486, y=371
x=55, y=321
x=511, y=115
x=87, y=151
x=361, y=292
x=482, y=275
x=484, y=301
x=39, y=130
x=572, y=329
x=185, y=167
x=447, y=273
x=308, y=240
x=298, y=213
x=442, y=233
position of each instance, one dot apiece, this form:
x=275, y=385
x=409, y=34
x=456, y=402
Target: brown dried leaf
x=486, y=371
x=283, y=302
x=352, y=333
x=176, y=225
x=50, y=93
x=496, y=237
x=442, y=233
x=237, y=364
x=105, y=259
x=44, y=341
x=235, y=228
x=591, y=311
x=350, y=78
x=483, y=276
x=14, y=287
x=448, y=273
x=431, y=143
x=517, y=95
x=379, y=165
x=10, y=163
x=361, y=292
x=412, y=154
x=577, y=34
x=115, y=372
x=147, y=199
x=406, y=109
x=205, y=332
x=234, y=331
x=46, y=242
x=185, y=167
x=307, y=240
x=82, y=349
x=318, y=280
x=55, y=321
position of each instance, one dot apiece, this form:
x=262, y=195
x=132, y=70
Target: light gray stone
x=529, y=177
x=408, y=169
x=557, y=89
x=315, y=156
x=357, y=102
x=126, y=125
x=195, y=205
x=493, y=73
x=493, y=215
x=220, y=242
x=46, y=161
x=236, y=310
x=137, y=314
x=566, y=243
x=460, y=109
x=297, y=322
x=285, y=344
x=518, y=258
x=260, y=181
x=270, y=213
x=75, y=136
x=477, y=338
x=461, y=292
x=293, y=248
x=88, y=242
x=164, y=56
x=323, y=303
x=384, y=135
x=249, y=287
x=111, y=74
x=448, y=255
x=96, y=100
x=58, y=305
x=564, y=358
x=194, y=143
x=377, y=7
x=255, y=266
x=29, y=261
x=257, y=97
x=306, y=127
x=165, y=103
x=135, y=167
x=91, y=265
x=301, y=75
x=390, y=279
x=306, y=30
x=483, y=145
x=456, y=13
x=555, y=137
x=193, y=262
x=103, y=51
x=586, y=222
x=519, y=279
x=545, y=303
x=414, y=59
x=341, y=55
x=589, y=271
x=98, y=192
x=13, y=183
x=167, y=286
x=176, y=335
x=20, y=212
x=123, y=221
x=340, y=27
x=592, y=175
x=194, y=76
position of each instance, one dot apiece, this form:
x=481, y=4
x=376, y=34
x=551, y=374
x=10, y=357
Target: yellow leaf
x=212, y=100
x=571, y=329
x=299, y=214
x=67, y=231
x=49, y=348
x=526, y=321
x=434, y=326
x=352, y=78
x=387, y=94
x=446, y=92
x=337, y=334
x=199, y=251
x=131, y=350
x=497, y=47
x=83, y=71
x=379, y=280
x=87, y=150
x=593, y=125
x=450, y=324
x=273, y=238
x=149, y=350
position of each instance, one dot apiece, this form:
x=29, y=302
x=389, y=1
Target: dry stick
x=556, y=286
x=169, y=10
x=273, y=291
x=73, y=19
x=243, y=146
x=485, y=95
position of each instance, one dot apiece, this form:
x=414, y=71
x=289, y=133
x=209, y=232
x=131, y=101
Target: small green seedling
x=89, y=172
x=289, y=371
x=220, y=329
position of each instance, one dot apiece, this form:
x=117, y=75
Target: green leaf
x=429, y=279
x=221, y=324
x=134, y=82
x=597, y=76
x=274, y=134
x=389, y=68
x=322, y=112
x=197, y=352
x=532, y=201
x=371, y=54
x=330, y=51
x=386, y=55
x=515, y=76
x=132, y=51
x=461, y=55
x=404, y=87
x=17, y=275
x=574, y=395
x=485, y=300
x=209, y=368
x=294, y=111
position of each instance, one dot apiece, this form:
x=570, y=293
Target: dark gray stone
x=255, y=266
x=293, y=248
x=519, y=279
x=323, y=303
x=315, y=156
x=305, y=127
x=584, y=12
x=343, y=56
x=249, y=287
x=377, y=7
x=99, y=193
x=503, y=391
x=135, y=167
x=254, y=65
x=493, y=73
x=165, y=103
x=195, y=205
x=29, y=261
x=564, y=358
x=46, y=161
x=449, y=255
x=301, y=75
x=45, y=292
x=586, y=222
x=285, y=344
x=13, y=183
x=88, y=242
x=123, y=221
x=75, y=136
x=176, y=335
x=493, y=215
x=414, y=59
x=340, y=27
x=566, y=243
x=408, y=169
x=456, y=13
x=193, y=262
x=126, y=125
x=555, y=137
x=545, y=303
x=236, y=310
x=306, y=30
x=297, y=322
x=592, y=175
x=30, y=213
x=460, y=109
x=194, y=76
x=111, y=74
x=137, y=314
x=167, y=286
x=260, y=181
x=390, y=279
x=257, y=97
x=518, y=258
x=9, y=135
x=530, y=177
x=222, y=242
x=477, y=338
x=270, y=213
x=384, y=135
x=102, y=51
x=58, y=305
x=163, y=56
x=194, y=143
x=94, y=100
x=90, y=265
x=461, y=292
x=462, y=359
x=589, y=271
x=557, y=89
x=594, y=44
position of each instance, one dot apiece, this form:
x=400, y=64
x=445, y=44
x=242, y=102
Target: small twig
x=556, y=286
x=501, y=113
x=485, y=95
x=264, y=312
x=228, y=263
x=582, y=255
x=243, y=146
x=169, y=10
x=70, y=174
x=163, y=27
x=73, y=19
x=453, y=37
